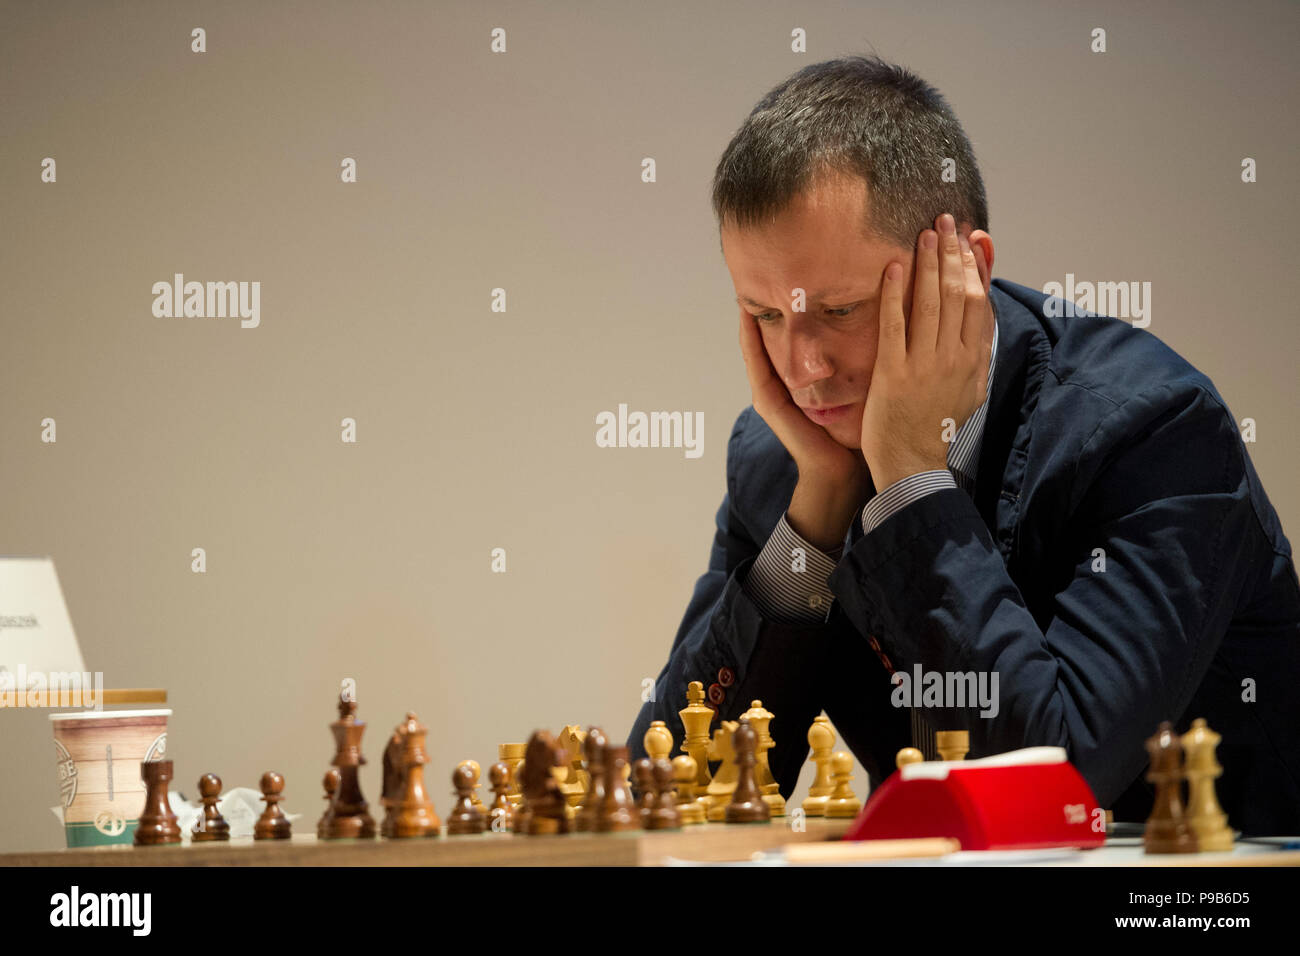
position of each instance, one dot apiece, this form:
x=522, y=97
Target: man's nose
x=806, y=361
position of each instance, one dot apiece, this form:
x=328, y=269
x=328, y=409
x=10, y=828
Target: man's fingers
x=892, y=348
x=757, y=365
x=802, y=438
x=952, y=285
x=770, y=395
x=972, y=326
x=923, y=323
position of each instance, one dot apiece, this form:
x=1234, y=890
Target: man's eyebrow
x=818, y=297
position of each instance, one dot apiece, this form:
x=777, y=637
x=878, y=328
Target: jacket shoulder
x=1105, y=356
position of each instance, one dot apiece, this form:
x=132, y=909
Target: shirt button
x=726, y=676
x=815, y=602
x=716, y=694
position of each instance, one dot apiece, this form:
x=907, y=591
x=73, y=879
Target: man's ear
x=981, y=243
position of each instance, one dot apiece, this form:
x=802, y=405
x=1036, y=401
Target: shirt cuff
x=901, y=494
x=782, y=593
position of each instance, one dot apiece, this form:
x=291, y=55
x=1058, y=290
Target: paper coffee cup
x=98, y=756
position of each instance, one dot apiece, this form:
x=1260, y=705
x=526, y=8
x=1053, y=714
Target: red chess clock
x=1025, y=799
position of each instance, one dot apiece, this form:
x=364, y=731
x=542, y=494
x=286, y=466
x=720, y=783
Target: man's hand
x=833, y=480
x=929, y=368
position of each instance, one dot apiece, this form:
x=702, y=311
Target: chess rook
x=157, y=824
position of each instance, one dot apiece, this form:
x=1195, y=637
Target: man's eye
x=770, y=316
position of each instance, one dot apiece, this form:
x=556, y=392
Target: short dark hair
x=856, y=115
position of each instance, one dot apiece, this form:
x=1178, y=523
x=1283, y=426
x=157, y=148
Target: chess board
x=775, y=842
x=706, y=842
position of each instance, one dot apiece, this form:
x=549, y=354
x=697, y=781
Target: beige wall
x=476, y=429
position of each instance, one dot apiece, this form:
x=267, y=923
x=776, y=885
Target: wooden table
x=705, y=843
x=712, y=842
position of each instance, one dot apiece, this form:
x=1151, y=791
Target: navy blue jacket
x=1098, y=436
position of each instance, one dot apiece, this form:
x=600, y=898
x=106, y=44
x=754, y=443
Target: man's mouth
x=827, y=413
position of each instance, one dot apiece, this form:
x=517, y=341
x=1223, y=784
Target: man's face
x=825, y=354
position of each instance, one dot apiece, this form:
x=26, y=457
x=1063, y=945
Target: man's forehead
x=826, y=268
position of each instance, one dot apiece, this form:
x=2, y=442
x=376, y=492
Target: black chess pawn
x=593, y=801
x=501, y=813
x=1167, y=830
x=212, y=825
x=643, y=772
x=666, y=815
x=272, y=824
x=620, y=810
x=464, y=816
x=331, y=785
x=747, y=804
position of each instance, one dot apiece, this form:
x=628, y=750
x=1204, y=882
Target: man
x=944, y=474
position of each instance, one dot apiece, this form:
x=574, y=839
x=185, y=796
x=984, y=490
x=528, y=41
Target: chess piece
x=543, y=809
x=747, y=804
x=952, y=744
x=1166, y=830
x=501, y=813
x=821, y=738
x=658, y=741
x=464, y=816
x=475, y=772
x=331, y=785
x=690, y=808
x=620, y=811
x=644, y=772
x=349, y=814
x=1204, y=815
x=761, y=719
x=593, y=801
x=272, y=824
x=157, y=824
x=665, y=815
x=721, y=786
x=842, y=801
x=696, y=718
x=512, y=755
x=409, y=811
x=908, y=755
x=576, y=779
x=212, y=825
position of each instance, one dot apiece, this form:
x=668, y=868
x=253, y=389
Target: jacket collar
x=1023, y=355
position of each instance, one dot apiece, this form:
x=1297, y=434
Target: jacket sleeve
x=1098, y=654
x=777, y=663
